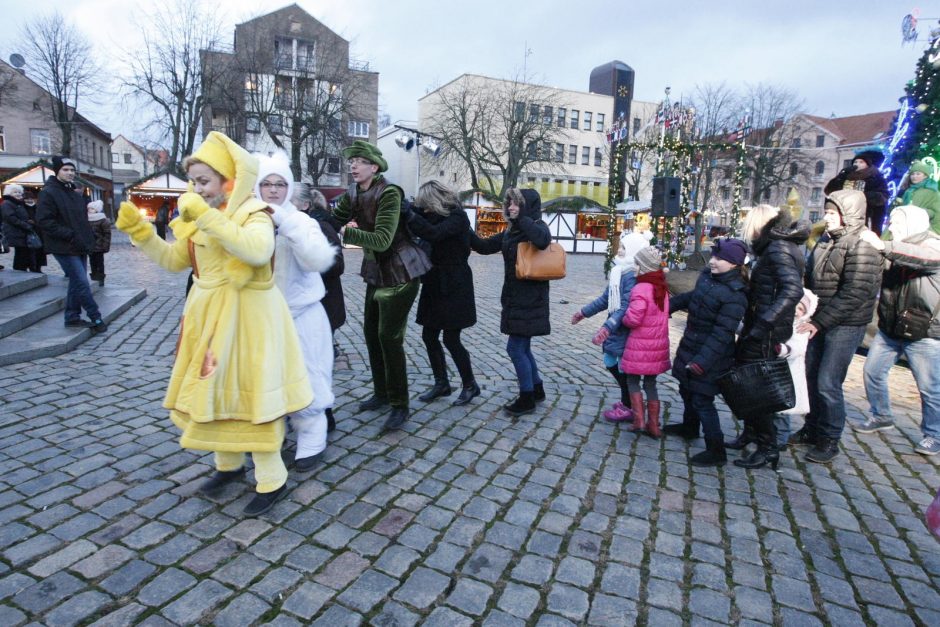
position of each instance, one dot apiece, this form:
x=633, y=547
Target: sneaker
x=99, y=326
x=803, y=437
x=928, y=446
x=79, y=323
x=871, y=425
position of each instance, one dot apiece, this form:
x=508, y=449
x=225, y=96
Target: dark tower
x=616, y=79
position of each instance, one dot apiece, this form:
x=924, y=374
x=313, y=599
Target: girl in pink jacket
x=647, y=350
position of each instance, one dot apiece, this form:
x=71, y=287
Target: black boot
x=214, y=484
x=441, y=387
x=373, y=402
x=713, y=455
x=804, y=437
x=264, y=501
x=538, y=392
x=767, y=451
x=467, y=394
x=525, y=404
x=744, y=438
x=825, y=450
x=396, y=419
x=330, y=421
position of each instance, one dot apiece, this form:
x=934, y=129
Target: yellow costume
x=238, y=368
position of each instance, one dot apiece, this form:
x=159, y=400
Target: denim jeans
x=782, y=424
x=519, y=349
x=827, y=362
x=702, y=406
x=923, y=357
x=79, y=295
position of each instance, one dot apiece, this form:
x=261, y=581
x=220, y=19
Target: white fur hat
x=908, y=220
x=279, y=164
x=633, y=242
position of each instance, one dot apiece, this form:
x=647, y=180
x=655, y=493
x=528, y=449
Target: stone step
x=50, y=337
x=29, y=307
x=13, y=282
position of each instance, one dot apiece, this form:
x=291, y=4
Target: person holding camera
x=863, y=175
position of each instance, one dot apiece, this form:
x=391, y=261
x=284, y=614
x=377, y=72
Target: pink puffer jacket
x=647, y=350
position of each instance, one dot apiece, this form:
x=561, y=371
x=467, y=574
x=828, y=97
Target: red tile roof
x=857, y=129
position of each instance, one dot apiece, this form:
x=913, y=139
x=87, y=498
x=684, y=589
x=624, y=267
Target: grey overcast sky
x=842, y=57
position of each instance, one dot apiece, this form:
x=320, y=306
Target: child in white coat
x=794, y=350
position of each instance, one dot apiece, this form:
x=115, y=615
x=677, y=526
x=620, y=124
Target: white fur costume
x=301, y=253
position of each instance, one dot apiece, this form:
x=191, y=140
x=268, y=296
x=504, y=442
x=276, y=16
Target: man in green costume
x=391, y=265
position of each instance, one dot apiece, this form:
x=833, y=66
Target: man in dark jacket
x=910, y=287
x=865, y=176
x=63, y=221
x=845, y=273
x=162, y=219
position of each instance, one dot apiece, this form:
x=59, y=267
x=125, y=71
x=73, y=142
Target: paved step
x=13, y=282
x=29, y=307
x=50, y=337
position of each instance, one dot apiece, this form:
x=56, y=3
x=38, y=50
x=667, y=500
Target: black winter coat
x=716, y=307
x=447, y=300
x=776, y=286
x=868, y=181
x=524, y=303
x=102, y=230
x=63, y=220
x=333, y=301
x=16, y=221
x=843, y=270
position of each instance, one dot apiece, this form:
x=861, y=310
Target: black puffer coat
x=63, y=220
x=447, y=300
x=525, y=303
x=333, y=301
x=843, y=270
x=716, y=307
x=776, y=285
x=16, y=221
x=870, y=182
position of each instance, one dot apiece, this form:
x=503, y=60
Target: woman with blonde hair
x=447, y=304
x=239, y=368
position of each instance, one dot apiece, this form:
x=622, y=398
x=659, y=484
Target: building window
x=586, y=155
x=575, y=115
x=548, y=115
x=796, y=143
x=562, y=117
x=560, y=153
x=358, y=128
x=816, y=194
x=283, y=53
x=636, y=126
x=305, y=56
x=820, y=167
x=745, y=194
x=600, y=122
x=598, y=157
x=847, y=163
x=766, y=194
x=3, y=140
x=587, y=121
x=820, y=141
x=127, y=157
x=518, y=110
x=115, y=158
x=94, y=153
x=532, y=151
x=534, y=113
x=275, y=124
x=253, y=124
x=794, y=170
x=332, y=165
x=572, y=154
x=729, y=172
x=725, y=193
x=814, y=216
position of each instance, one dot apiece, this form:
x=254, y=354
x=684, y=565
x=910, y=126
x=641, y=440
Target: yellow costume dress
x=239, y=368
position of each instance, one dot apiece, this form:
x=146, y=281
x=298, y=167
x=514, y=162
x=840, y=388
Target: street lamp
x=412, y=137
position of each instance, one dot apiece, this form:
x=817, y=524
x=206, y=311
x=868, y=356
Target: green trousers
x=385, y=319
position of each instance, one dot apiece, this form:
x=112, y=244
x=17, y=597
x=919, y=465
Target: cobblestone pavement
x=465, y=517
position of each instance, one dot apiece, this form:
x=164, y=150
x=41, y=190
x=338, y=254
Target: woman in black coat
x=524, y=303
x=776, y=286
x=446, y=303
x=17, y=224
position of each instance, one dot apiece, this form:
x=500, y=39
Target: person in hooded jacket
x=911, y=283
x=63, y=223
x=102, y=228
x=776, y=286
x=447, y=304
x=525, y=304
x=17, y=224
x=844, y=271
x=863, y=175
x=921, y=190
x=302, y=252
x=313, y=203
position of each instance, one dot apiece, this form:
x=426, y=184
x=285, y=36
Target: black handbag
x=913, y=324
x=758, y=388
x=33, y=240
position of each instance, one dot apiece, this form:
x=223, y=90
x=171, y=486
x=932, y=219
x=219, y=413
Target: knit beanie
x=367, y=151
x=923, y=168
x=279, y=164
x=58, y=163
x=648, y=259
x=908, y=220
x=733, y=251
x=633, y=243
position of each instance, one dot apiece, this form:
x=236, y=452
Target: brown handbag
x=533, y=264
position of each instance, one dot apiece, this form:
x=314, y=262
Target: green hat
x=366, y=151
x=920, y=166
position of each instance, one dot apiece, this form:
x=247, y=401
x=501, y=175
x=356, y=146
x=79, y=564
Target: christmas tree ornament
x=920, y=108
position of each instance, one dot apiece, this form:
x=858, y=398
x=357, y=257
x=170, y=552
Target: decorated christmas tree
x=915, y=133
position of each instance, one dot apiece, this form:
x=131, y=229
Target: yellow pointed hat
x=236, y=164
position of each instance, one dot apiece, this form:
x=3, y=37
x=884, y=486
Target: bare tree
x=715, y=109
x=497, y=128
x=61, y=60
x=8, y=87
x=165, y=72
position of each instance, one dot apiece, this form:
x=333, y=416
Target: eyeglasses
x=267, y=185
x=359, y=161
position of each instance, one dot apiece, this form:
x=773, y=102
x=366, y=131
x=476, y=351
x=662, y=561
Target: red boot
x=636, y=406
x=652, y=419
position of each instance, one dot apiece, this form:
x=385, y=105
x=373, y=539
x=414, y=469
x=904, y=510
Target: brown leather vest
x=402, y=261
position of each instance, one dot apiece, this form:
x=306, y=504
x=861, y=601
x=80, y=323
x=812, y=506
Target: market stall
x=579, y=224
x=150, y=193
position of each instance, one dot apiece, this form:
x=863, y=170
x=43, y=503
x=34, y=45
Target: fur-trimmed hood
x=783, y=227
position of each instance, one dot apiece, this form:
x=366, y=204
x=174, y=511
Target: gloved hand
x=130, y=222
x=191, y=205
x=695, y=369
x=577, y=317
x=601, y=336
x=279, y=213
x=407, y=211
